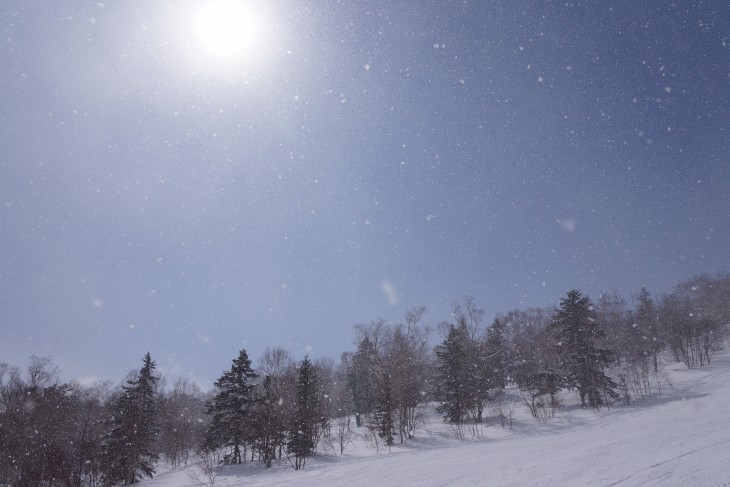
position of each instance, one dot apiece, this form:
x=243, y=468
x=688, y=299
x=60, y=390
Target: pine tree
x=362, y=378
x=231, y=408
x=497, y=355
x=581, y=359
x=303, y=430
x=384, y=407
x=129, y=452
x=455, y=374
x=647, y=322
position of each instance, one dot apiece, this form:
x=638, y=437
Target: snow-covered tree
x=231, y=408
x=497, y=355
x=455, y=374
x=582, y=360
x=130, y=449
x=363, y=377
x=303, y=426
x=646, y=319
x=382, y=421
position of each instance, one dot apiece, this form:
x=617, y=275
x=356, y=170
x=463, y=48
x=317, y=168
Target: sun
x=223, y=36
x=227, y=30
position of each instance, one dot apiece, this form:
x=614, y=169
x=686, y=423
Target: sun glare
x=226, y=29
x=225, y=34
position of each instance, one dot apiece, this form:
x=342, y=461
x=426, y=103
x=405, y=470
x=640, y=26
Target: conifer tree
x=231, y=408
x=647, y=321
x=303, y=431
x=497, y=355
x=129, y=452
x=363, y=378
x=384, y=407
x=455, y=374
x=582, y=360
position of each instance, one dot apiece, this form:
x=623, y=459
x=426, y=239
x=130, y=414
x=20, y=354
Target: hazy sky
x=166, y=186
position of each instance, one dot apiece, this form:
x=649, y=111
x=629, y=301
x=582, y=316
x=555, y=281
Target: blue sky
x=357, y=160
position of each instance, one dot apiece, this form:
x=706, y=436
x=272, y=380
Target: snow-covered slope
x=680, y=438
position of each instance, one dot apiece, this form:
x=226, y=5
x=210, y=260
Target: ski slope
x=680, y=438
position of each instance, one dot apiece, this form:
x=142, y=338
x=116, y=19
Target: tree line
x=608, y=351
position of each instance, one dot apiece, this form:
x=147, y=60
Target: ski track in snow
x=681, y=438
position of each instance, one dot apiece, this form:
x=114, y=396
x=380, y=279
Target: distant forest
x=610, y=351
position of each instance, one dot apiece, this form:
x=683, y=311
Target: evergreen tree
x=647, y=323
x=581, y=359
x=129, y=452
x=633, y=347
x=363, y=378
x=384, y=407
x=303, y=427
x=497, y=355
x=455, y=374
x=231, y=408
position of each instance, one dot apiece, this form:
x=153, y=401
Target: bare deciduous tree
x=207, y=464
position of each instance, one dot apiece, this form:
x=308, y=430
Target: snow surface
x=680, y=438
